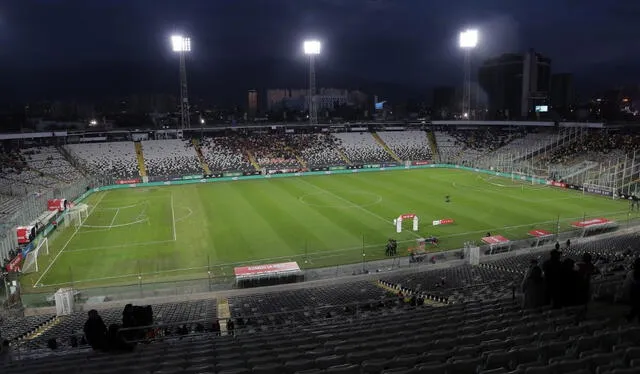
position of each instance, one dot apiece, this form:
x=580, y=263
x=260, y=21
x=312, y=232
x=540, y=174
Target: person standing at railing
x=95, y=331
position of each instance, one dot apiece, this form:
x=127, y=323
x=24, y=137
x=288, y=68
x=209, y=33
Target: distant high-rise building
x=516, y=83
x=253, y=103
x=562, y=93
x=327, y=98
x=444, y=101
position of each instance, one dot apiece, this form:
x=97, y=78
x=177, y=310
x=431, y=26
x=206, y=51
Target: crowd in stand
x=170, y=157
x=595, y=145
x=224, y=153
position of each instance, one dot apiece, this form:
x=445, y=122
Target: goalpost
x=31, y=261
x=76, y=215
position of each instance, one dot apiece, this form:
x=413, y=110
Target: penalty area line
x=68, y=241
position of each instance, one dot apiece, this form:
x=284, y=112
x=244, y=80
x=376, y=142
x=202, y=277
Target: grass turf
x=185, y=231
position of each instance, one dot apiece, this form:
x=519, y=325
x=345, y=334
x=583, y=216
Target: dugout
x=496, y=244
x=268, y=274
x=540, y=237
x=594, y=226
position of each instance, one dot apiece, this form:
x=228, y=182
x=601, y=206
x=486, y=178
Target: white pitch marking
x=173, y=219
x=69, y=241
x=113, y=220
x=372, y=214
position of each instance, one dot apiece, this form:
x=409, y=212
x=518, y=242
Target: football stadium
x=255, y=243
x=318, y=230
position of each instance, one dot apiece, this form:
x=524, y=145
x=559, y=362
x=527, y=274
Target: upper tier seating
x=411, y=145
x=361, y=147
x=117, y=159
x=170, y=157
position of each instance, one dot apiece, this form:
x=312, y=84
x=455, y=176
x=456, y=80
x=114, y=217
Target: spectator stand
x=541, y=237
x=497, y=244
x=594, y=226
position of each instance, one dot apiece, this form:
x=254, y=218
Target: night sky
x=93, y=48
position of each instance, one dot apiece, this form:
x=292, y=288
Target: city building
x=296, y=99
x=252, y=103
x=562, y=94
x=516, y=84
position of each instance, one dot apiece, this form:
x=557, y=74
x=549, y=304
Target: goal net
x=76, y=215
x=31, y=261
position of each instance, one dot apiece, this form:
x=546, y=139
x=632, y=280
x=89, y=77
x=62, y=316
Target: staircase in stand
x=142, y=169
x=253, y=161
x=203, y=162
x=224, y=313
x=434, y=146
x=386, y=147
x=300, y=160
x=343, y=156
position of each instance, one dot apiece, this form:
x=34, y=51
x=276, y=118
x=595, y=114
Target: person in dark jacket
x=569, y=283
x=95, y=331
x=534, y=289
x=552, y=270
x=585, y=269
x=632, y=290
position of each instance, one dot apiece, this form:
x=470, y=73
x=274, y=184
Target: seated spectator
x=95, y=331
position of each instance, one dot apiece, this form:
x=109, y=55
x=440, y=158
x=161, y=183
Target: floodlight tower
x=182, y=45
x=311, y=49
x=468, y=41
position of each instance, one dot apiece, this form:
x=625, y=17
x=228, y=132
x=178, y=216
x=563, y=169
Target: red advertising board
x=445, y=221
x=25, y=234
x=14, y=265
x=495, y=239
x=418, y=163
x=128, y=181
x=591, y=222
x=56, y=204
x=267, y=269
x=539, y=233
x=556, y=184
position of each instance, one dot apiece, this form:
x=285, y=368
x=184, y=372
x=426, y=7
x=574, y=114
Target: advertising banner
x=371, y=166
x=57, y=204
x=14, y=265
x=389, y=164
x=267, y=269
x=188, y=177
x=232, y=174
x=128, y=181
x=337, y=168
x=557, y=184
x=598, y=191
x=418, y=163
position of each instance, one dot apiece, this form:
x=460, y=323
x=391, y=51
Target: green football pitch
x=200, y=230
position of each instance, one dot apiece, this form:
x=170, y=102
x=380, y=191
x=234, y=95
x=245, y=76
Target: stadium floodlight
x=312, y=48
x=182, y=45
x=468, y=40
